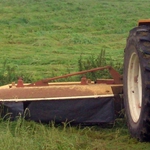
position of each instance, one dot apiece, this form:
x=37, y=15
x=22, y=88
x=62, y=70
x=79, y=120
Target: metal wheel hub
x=134, y=87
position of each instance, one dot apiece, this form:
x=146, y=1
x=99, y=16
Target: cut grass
x=43, y=34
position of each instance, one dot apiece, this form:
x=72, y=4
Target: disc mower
x=90, y=102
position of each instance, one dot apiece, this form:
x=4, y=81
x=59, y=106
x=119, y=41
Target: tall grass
x=27, y=135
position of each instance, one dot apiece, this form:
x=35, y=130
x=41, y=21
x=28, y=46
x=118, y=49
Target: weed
x=98, y=61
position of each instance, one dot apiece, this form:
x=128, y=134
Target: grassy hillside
x=42, y=38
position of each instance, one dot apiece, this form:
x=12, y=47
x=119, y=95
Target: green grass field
x=43, y=38
x=46, y=38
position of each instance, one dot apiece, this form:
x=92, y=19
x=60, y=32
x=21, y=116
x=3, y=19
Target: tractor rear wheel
x=136, y=82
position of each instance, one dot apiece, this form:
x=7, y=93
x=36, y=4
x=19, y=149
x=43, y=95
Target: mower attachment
x=76, y=102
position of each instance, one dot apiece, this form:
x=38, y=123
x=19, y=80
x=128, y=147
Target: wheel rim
x=134, y=87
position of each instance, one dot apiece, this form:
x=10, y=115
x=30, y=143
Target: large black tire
x=136, y=82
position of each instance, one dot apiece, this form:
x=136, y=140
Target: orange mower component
x=84, y=102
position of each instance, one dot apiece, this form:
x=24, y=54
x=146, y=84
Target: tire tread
x=141, y=37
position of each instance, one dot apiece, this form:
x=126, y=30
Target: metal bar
x=45, y=81
x=56, y=98
x=115, y=75
x=106, y=81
